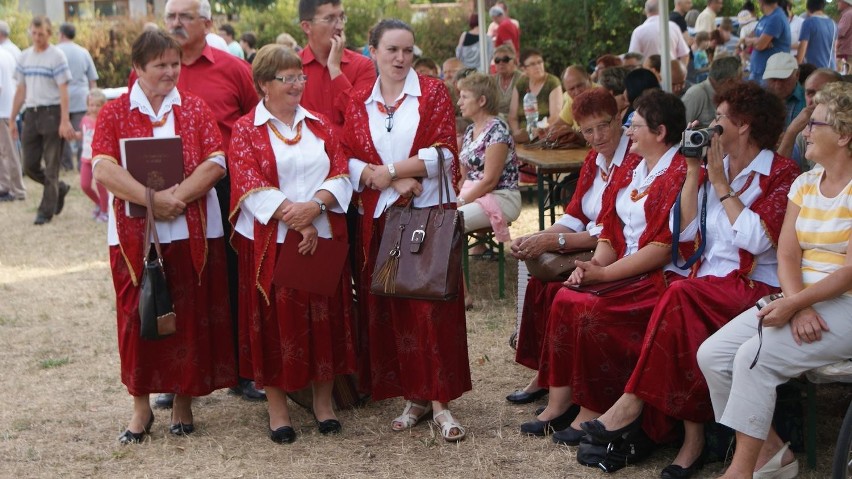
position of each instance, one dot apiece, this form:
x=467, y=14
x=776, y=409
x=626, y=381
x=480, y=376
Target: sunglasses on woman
x=500, y=60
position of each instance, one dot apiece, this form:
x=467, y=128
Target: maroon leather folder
x=154, y=162
x=318, y=273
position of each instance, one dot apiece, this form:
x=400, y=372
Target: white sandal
x=448, y=425
x=407, y=420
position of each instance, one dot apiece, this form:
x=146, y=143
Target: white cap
x=780, y=65
x=495, y=11
x=745, y=17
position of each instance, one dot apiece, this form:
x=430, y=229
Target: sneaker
x=96, y=212
x=60, y=200
x=102, y=218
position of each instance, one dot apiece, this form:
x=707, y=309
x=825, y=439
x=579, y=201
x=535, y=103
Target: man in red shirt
x=332, y=70
x=226, y=85
x=507, y=31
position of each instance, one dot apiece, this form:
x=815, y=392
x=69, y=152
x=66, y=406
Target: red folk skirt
x=667, y=376
x=534, y=316
x=411, y=348
x=593, y=342
x=299, y=337
x=199, y=357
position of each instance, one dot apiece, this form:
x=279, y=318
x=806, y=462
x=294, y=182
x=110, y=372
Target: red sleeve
x=660, y=201
x=105, y=141
x=211, y=141
x=358, y=73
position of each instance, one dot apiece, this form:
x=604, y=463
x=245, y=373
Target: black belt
x=42, y=108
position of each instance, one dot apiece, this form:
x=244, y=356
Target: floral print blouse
x=472, y=154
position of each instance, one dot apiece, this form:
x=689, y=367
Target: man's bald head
x=575, y=80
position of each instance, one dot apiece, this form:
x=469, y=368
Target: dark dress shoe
x=282, y=435
x=40, y=220
x=60, y=199
x=130, y=437
x=568, y=436
x=181, y=429
x=597, y=430
x=329, y=426
x=164, y=400
x=7, y=197
x=543, y=428
x=522, y=397
x=248, y=391
x=673, y=471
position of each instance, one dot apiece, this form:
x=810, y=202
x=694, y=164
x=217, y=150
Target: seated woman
x=597, y=113
x=811, y=326
x=592, y=341
x=506, y=74
x=199, y=358
x=746, y=199
x=289, y=178
x=547, y=90
x=489, y=196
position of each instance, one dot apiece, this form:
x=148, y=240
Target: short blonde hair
x=287, y=40
x=837, y=98
x=270, y=60
x=98, y=95
x=482, y=85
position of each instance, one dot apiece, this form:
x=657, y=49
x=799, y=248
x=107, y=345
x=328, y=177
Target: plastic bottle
x=844, y=68
x=531, y=111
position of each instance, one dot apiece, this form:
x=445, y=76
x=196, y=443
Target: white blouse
x=724, y=240
x=395, y=145
x=177, y=229
x=302, y=172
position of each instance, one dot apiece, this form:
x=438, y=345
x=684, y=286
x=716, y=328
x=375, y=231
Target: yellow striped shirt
x=822, y=227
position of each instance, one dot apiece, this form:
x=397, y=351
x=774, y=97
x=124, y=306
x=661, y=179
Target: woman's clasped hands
x=300, y=217
x=587, y=272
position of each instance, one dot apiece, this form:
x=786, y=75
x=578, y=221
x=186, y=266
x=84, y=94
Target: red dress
x=288, y=338
x=540, y=295
x=199, y=358
x=411, y=348
x=667, y=376
x=592, y=342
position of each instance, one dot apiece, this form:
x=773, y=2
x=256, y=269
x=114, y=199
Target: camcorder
x=694, y=143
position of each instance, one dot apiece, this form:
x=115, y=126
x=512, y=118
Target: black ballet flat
x=543, y=428
x=181, y=429
x=130, y=437
x=598, y=431
x=283, y=435
x=673, y=471
x=522, y=397
x=329, y=426
x=568, y=436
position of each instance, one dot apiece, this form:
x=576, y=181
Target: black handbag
x=421, y=249
x=156, y=309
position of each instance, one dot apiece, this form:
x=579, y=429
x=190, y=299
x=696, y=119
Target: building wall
x=55, y=9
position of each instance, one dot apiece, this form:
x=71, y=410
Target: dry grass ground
x=62, y=404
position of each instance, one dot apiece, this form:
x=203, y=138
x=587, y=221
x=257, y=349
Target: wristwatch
x=731, y=194
x=320, y=203
x=561, y=240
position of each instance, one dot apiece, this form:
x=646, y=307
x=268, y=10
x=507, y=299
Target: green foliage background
x=566, y=31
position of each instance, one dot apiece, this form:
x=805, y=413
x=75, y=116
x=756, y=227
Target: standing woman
x=289, y=178
x=199, y=357
x=547, y=90
x=417, y=349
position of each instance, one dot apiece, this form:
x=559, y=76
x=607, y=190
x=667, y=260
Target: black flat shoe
x=543, y=428
x=181, y=429
x=522, y=397
x=60, y=199
x=130, y=437
x=597, y=430
x=568, y=437
x=248, y=391
x=283, y=435
x=329, y=426
x=673, y=471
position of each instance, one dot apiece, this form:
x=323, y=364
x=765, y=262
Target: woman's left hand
x=593, y=272
x=300, y=215
x=308, y=245
x=807, y=325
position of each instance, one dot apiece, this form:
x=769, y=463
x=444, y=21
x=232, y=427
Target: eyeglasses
x=634, y=126
x=600, y=128
x=389, y=120
x=292, y=79
x=506, y=59
x=332, y=19
x=719, y=117
x=534, y=63
x=812, y=123
x=181, y=17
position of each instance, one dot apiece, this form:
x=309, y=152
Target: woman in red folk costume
x=198, y=358
x=592, y=341
x=746, y=201
x=417, y=349
x=597, y=113
x=289, y=177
